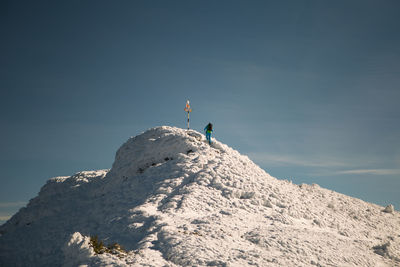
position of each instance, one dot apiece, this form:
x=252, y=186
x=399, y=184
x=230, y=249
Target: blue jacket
x=207, y=130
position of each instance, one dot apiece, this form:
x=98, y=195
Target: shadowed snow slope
x=170, y=199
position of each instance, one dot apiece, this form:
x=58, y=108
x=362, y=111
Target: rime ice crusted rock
x=151, y=148
x=389, y=208
x=171, y=199
x=77, y=250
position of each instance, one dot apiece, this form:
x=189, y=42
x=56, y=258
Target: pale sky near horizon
x=309, y=90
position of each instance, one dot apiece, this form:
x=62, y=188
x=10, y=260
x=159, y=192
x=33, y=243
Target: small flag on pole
x=188, y=110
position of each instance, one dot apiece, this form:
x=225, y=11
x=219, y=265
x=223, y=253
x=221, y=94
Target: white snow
x=170, y=199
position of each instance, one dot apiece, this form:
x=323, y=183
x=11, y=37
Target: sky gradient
x=309, y=90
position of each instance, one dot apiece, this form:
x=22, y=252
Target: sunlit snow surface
x=170, y=199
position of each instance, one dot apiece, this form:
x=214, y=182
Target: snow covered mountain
x=170, y=199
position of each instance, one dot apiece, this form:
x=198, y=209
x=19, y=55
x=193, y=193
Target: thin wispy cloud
x=12, y=204
x=370, y=171
x=284, y=160
x=322, y=166
x=359, y=172
x=4, y=218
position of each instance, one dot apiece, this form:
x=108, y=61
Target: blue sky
x=308, y=89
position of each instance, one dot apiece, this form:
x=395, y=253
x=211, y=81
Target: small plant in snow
x=116, y=248
x=99, y=247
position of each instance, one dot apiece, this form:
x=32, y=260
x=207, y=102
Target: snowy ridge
x=172, y=200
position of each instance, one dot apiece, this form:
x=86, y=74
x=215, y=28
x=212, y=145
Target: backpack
x=209, y=127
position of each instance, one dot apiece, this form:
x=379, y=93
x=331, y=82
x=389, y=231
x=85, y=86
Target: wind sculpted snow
x=170, y=199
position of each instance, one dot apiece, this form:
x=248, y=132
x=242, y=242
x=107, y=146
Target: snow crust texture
x=170, y=199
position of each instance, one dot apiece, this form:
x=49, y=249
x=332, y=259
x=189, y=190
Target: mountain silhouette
x=171, y=199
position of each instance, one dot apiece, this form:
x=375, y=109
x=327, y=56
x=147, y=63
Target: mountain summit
x=170, y=199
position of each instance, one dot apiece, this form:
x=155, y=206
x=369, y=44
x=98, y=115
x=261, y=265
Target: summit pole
x=188, y=110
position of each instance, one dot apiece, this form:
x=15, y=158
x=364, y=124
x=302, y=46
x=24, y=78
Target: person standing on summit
x=208, y=129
